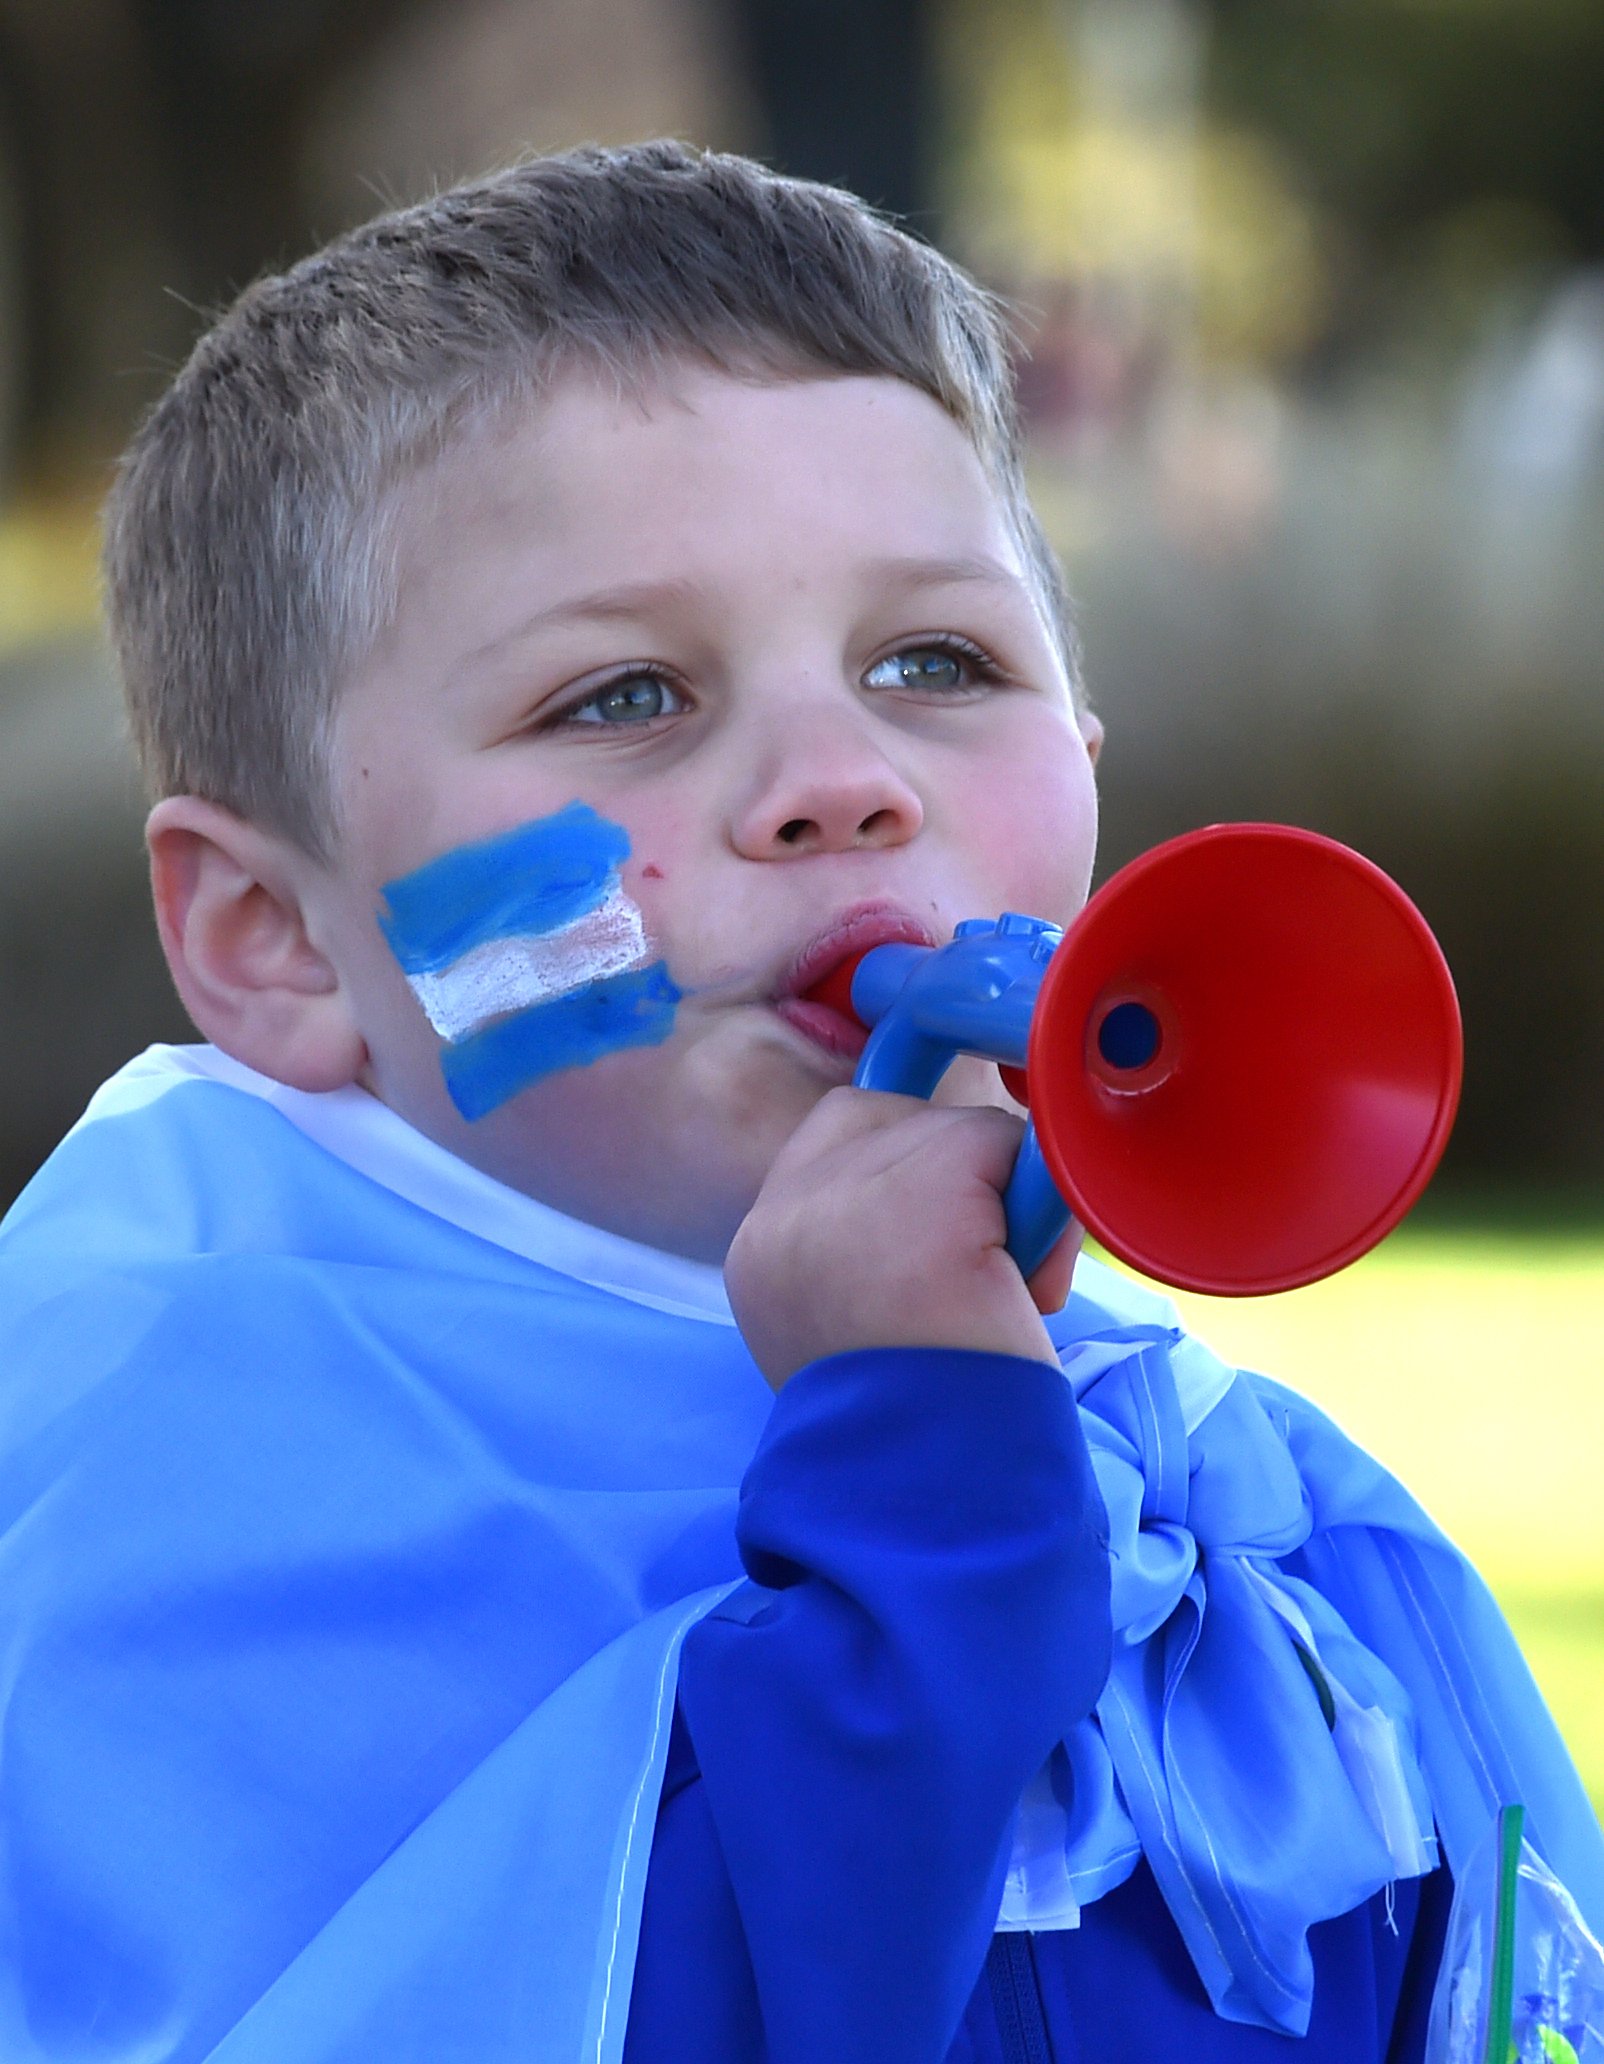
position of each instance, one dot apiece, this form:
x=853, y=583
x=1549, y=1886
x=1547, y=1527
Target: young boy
x=561, y=622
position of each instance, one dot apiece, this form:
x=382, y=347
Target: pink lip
x=855, y=931
x=825, y=1027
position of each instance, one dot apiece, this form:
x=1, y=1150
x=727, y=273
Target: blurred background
x=1312, y=351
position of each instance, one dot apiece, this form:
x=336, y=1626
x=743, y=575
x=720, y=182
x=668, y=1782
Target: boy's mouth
x=844, y=938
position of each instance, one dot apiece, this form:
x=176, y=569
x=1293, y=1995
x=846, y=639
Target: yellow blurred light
x=49, y=571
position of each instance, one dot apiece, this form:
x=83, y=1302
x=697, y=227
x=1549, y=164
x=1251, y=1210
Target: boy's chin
x=673, y=1156
x=773, y=1079
x=671, y=1148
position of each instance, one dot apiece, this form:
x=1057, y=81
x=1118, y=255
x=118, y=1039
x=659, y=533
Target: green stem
x=1501, y=2001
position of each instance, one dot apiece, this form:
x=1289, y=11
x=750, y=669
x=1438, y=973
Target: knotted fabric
x=1309, y=1685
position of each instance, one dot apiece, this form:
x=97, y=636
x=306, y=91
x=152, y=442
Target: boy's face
x=779, y=641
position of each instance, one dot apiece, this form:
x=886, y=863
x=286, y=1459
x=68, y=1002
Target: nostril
x=877, y=825
x=792, y=832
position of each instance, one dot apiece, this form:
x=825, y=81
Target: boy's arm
x=933, y=1616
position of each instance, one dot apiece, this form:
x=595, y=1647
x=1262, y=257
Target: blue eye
x=937, y=669
x=629, y=699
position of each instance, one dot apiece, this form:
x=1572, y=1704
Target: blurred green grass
x=1471, y=1362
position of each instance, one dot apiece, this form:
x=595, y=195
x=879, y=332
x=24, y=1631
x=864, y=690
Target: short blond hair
x=247, y=570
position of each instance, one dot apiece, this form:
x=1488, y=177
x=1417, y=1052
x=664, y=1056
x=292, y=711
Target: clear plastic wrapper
x=1522, y=1979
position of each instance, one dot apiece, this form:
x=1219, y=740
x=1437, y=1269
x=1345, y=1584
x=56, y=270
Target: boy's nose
x=827, y=795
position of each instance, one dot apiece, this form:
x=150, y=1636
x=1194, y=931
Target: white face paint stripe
x=507, y=975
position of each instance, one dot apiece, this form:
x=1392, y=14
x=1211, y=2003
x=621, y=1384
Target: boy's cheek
x=1042, y=818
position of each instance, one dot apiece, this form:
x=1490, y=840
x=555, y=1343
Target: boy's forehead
x=694, y=463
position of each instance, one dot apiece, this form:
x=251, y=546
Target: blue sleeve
x=1122, y=1989
x=928, y=1615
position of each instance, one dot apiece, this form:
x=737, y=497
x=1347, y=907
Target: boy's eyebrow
x=606, y=605
x=632, y=598
x=945, y=573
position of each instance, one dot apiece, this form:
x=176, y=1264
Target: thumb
x=1049, y=1286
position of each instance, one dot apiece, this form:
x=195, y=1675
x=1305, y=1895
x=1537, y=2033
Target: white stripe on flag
x=512, y=974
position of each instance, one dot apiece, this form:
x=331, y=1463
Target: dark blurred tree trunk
x=232, y=85
x=153, y=152
x=846, y=89
x=77, y=108
x=17, y=293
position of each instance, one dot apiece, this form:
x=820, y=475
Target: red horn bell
x=1245, y=1059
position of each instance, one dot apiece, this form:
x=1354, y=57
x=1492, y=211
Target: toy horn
x=1242, y=1061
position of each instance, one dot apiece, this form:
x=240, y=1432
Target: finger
x=847, y=1115
x=1049, y=1286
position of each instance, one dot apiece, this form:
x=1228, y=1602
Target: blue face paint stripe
x=520, y=883
x=633, y=1009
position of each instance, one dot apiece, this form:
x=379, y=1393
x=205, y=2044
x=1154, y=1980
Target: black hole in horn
x=1128, y=1037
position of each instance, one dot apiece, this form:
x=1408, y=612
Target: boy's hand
x=881, y=1225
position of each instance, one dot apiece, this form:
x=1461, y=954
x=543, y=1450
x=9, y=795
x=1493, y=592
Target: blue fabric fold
x=1258, y=1563
x=344, y=1559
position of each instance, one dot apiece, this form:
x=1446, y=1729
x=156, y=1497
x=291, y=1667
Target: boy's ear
x=229, y=908
x=1091, y=729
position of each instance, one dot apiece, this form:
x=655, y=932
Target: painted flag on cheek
x=528, y=956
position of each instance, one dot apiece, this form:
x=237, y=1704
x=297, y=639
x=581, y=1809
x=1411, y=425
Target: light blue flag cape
x=345, y=1556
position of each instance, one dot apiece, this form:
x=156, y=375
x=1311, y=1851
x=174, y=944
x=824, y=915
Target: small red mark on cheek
x=651, y=872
